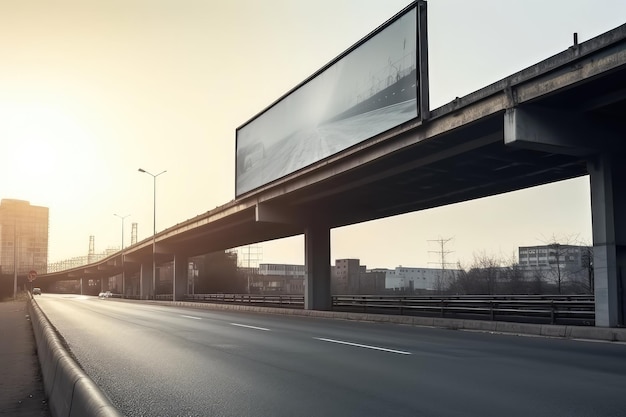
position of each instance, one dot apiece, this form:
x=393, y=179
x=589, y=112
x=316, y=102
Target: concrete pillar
x=123, y=278
x=181, y=272
x=317, y=263
x=608, y=210
x=133, y=285
x=552, y=131
x=145, y=281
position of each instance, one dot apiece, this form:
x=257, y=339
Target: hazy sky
x=92, y=90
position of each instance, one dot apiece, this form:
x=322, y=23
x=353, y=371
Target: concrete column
x=145, y=281
x=181, y=271
x=608, y=210
x=123, y=278
x=317, y=263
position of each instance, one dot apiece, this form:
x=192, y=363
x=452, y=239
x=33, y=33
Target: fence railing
x=291, y=301
x=552, y=309
x=561, y=309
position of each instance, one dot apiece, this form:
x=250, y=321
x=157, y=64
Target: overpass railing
x=552, y=309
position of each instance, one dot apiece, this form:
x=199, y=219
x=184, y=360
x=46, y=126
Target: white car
x=106, y=294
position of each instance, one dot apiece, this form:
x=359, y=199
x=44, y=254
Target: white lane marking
x=250, y=327
x=191, y=317
x=341, y=342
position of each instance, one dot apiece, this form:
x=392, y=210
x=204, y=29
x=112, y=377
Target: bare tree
x=587, y=262
x=563, y=267
x=487, y=269
x=481, y=278
x=514, y=281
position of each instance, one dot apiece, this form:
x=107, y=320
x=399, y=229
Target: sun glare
x=38, y=143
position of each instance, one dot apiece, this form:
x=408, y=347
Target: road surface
x=154, y=360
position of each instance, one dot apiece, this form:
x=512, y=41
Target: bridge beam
x=553, y=131
x=317, y=263
x=608, y=211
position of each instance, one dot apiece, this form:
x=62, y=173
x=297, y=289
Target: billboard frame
x=422, y=94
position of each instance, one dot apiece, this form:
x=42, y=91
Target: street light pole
x=122, y=250
x=15, y=261
x=154, y=177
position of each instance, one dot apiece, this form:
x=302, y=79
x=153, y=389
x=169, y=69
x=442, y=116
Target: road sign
x=32, y=275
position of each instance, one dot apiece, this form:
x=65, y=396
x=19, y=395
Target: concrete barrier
x=70, y=392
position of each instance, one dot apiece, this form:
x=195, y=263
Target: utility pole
x=442, y=253
x=15, y=260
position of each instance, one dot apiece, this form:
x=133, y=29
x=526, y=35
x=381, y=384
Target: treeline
x=217, y=272
x=490, y=275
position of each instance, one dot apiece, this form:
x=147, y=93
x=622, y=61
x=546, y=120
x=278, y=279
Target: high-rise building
x=23, y=237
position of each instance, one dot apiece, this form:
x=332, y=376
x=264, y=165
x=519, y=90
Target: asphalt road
x=154, y=360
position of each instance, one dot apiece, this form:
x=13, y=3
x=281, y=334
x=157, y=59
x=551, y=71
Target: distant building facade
x=348, y=276
x=277, y=279
x=410, y=279
x=571, y=264
x=23, y=237
x=567, y=256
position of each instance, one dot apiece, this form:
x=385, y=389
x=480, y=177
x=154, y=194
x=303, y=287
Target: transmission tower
x=442, y=254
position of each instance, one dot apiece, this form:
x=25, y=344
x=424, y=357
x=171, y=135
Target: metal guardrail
x=552, y=309
x=291, y=301
x=568, y=309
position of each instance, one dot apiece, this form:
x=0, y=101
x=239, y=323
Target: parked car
x=36, y=291
x=105, y=294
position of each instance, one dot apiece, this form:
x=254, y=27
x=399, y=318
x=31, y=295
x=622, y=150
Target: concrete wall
x=70, y=392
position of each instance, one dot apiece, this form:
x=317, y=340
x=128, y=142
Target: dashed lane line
x=250, y=327
x=191, y=317
x=382, y=349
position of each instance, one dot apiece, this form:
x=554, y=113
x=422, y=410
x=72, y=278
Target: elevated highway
x=558, y=119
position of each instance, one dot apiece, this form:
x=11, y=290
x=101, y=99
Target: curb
x=70, y=392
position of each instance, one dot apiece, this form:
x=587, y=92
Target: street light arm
x=149, y=173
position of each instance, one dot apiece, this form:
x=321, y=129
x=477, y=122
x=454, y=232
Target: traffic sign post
x=32, y=275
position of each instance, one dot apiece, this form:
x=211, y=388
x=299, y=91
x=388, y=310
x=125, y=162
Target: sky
x=92, y=90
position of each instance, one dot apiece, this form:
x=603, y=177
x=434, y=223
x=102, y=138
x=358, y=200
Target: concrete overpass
x=560, y=118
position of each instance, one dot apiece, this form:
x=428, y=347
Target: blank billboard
x=368, y=90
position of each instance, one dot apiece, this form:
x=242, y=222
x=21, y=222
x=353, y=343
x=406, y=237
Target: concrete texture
x=70, y=391
x=21, y=387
